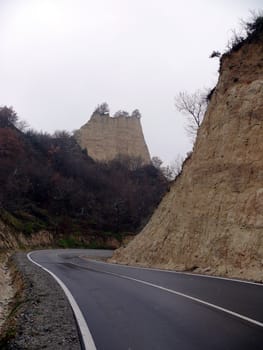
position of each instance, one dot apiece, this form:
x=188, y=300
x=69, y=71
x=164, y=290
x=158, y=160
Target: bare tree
x=194, y=107
x=61, y=134
x=22, y=125
x=176, y=165
x=157, y=162
x=174, y=169
x=169, y=171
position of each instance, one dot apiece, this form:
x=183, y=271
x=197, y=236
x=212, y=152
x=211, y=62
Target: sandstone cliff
x=106, y=138
x=212, y=218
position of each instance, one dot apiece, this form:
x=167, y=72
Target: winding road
x=119, y=307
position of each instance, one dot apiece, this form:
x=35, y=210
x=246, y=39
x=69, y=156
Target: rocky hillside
x=212, y=218
x=106, y=138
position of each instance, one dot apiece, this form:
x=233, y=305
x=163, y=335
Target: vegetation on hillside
x=47, y=181
x=251, y=31
x=104, y=110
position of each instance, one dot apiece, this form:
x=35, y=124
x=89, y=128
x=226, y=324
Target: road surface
x=140, y=309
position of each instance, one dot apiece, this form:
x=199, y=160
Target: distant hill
x=49, y=182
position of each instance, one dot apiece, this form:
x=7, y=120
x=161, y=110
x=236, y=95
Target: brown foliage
x=49, y=178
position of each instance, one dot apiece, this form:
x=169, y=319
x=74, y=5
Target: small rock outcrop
x=106, y=138
x=212, y=218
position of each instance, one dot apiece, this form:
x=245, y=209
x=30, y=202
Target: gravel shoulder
x=43, y=317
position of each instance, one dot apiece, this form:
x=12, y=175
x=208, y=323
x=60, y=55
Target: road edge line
x=83, y=327
x=200, y=301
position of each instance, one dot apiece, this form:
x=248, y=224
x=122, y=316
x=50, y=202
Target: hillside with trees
x=49, y=182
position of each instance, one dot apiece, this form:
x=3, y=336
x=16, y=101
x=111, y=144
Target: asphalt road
x=142, y=309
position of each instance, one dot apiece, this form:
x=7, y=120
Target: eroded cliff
x=106, y=138
x=212, y=218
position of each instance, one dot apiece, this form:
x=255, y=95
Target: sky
x=59, y=59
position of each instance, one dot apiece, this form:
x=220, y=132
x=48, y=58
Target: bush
x=250, y=30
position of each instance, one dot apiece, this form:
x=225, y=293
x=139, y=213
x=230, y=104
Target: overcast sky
x=60, y=58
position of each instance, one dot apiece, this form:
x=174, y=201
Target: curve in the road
x=235, y=314
x=87, y=339
x=96, y=299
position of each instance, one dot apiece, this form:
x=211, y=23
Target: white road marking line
x=200, y=301
x=177, y=272
x=84, y=330
x=260, y=324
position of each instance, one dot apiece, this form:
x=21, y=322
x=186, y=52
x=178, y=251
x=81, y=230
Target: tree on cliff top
x=136, y=113
x=121, y=113
x=102, y=109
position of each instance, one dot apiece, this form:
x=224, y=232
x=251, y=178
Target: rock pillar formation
x=106, y=138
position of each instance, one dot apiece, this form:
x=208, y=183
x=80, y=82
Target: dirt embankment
x=212, y=218
x=7, y=290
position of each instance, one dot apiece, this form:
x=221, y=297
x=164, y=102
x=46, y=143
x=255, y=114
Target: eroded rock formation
x=106, y=138
x=212, y=218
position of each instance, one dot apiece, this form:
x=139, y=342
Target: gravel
x=44, y=319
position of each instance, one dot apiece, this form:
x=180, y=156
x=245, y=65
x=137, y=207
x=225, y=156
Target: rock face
x=212, y=218
x=106, y=138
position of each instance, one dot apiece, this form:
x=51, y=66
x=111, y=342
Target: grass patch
x=96, y=245
x=11, y=220
x=74, y=242
x=23, y=222
x=70, y=242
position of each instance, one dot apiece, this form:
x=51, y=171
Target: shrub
x=250, y=30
